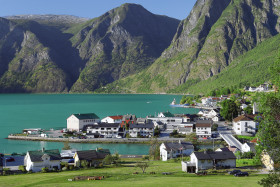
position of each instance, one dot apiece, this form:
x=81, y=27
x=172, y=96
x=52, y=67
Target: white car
x=118, y=136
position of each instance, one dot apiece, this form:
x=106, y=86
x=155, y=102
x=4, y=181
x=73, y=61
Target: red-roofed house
x=112, y=119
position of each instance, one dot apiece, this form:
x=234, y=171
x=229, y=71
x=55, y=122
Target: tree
x=248, y=110
x=154, y=151
x=66, y=146
x=191, y=138
x=156, y=132
x=229, y=109
x=84, y=163
x=269, y=127
x=214, y=127
x=142, y=165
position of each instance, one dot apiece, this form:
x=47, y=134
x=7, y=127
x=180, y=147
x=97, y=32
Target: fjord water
x=20, y=111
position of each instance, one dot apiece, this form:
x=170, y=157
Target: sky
x=179, y=9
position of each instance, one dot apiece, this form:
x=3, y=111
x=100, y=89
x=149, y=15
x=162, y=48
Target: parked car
x=10, y=159
x=118, y=136
x=71, y=160
x=241, y=174
x=234, y=172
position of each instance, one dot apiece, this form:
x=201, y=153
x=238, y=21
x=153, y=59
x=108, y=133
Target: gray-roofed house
x=36, y=160
x=209, y=160
x=104, y=129
x=93, y=157
x=141, y=129
x=77, y=122
x=170, y=150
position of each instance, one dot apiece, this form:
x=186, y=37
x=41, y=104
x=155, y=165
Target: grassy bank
x=123, y=176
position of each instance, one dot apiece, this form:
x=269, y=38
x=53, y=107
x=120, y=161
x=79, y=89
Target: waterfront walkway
x=94, y=140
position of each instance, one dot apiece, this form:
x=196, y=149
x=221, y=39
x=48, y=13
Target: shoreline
x=95, y=140
x=106, y=141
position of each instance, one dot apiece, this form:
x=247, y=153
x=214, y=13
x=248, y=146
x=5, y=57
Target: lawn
x=123, y=176
x=248, y=162
x=245, y=137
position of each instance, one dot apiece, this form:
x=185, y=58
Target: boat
x=173, y=104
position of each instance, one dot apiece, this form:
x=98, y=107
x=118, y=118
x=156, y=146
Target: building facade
x=77, y=122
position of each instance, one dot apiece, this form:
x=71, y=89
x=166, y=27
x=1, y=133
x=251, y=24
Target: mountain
x=50, y=53
x=207, y=41
x=50, y=19
x=36, y=58
x=120, y=43
x=250, y=69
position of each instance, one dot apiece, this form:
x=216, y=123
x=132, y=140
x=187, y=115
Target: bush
x=70, y=167
x=22, y=168
x=64, y=169
x=45, y=170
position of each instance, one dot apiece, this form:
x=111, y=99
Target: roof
x=86, y=116
x=113, y=125
x=91, y=154
x=167, y=114
x=244, y=118
x=224, y=149
x=221, y=155
x=36, y=156
x=129, y=117
x=203, y=123
x=115, y=117
x=178, y=146
x=142, y=125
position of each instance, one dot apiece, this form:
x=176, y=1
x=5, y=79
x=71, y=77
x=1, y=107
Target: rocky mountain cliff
x=52, y=53
x=121, y=42
x=208, y=40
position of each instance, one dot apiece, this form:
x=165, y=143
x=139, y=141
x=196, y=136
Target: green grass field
x=123, y=176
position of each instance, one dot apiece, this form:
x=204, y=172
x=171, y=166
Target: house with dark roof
x=141, y=129
x=93, y=157
x=209, y=160
x=112, y=119
x=36, y=160
x=104, y=129
x=170, y=150
x=77, y=122
x=245, y=124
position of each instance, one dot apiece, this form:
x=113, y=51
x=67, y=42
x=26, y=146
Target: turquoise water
x=19, y=111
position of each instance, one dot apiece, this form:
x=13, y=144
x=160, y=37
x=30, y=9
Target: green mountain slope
x=214, y=35
x=252, y=68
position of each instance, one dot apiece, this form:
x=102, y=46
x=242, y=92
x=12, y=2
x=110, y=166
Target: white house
x=209, y=160
x=105, y=129
x=142, y=129
x=112, y=119
x=36, y=160
x=77, y=122
x=245, y=124
x=203, y=128
x=93, y=157
x=184, y=128
x=170, y=150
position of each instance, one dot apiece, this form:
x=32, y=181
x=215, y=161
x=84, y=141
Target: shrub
x=70, y=167
x=64, y=168
x=22, y=168
x=45, y=170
